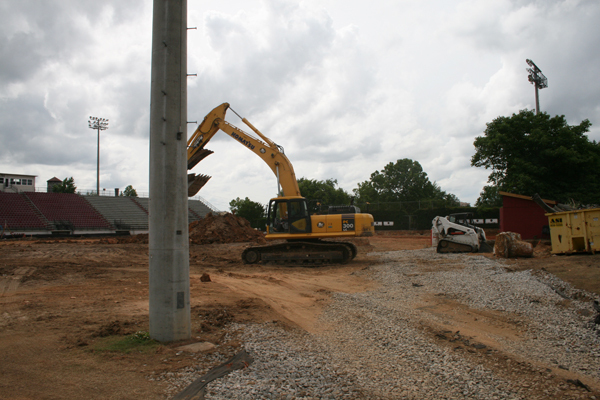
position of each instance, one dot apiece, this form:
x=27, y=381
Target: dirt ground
x=62, y=299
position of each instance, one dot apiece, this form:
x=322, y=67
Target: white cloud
x=344, y=88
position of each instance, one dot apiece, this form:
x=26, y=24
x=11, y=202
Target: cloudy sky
x=345, y=86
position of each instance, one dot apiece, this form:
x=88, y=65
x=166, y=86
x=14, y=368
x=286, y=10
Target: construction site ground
x=63, y=299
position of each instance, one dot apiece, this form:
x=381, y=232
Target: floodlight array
x=535, y=75
x=98, y=123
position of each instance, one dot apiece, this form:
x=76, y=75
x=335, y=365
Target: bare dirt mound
x=226, y=228
x=141, y=238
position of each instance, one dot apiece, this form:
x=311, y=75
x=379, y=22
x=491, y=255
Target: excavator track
x=447, y=246
x=301, y=252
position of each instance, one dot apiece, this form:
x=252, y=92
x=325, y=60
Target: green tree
x=254, y=212
x=129, y=192
x=451, y=200
x=404, y=180
x=530, y=153
x=489, y=197
x=67, y=186
x=322, y=193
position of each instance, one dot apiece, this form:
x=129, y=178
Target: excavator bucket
x=195, y=183
x=197, y=157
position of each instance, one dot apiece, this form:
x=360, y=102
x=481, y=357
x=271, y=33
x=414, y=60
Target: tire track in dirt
x=9, y=284
x=297, y=296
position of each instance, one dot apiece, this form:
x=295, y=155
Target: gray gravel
x=382, y=344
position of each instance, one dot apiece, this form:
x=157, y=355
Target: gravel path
x=387, y=344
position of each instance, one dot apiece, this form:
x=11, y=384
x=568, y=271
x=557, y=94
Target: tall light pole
x=100, y=124
x=538, y=79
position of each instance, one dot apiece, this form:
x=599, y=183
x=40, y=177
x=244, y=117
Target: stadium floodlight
x=99, y=124
x=537, y=79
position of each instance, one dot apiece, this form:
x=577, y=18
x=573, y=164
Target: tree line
x=527, y=154
x=402, y=181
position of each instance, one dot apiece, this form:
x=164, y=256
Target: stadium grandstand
x=46, y=213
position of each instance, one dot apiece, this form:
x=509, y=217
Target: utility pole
x=100, y=124
x=169, y=272
x=538, y=80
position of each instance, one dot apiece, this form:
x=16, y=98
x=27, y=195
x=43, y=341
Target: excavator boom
x=270, y=152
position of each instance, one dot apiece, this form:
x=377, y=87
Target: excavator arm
x=288, y=216
x=271, y=153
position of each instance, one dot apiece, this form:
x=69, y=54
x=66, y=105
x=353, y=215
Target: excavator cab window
x=289, y=216
x=278, y=217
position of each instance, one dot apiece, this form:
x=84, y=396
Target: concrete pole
x=168, y=208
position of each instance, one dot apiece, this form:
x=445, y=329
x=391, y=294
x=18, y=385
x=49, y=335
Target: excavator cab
x=288, y=215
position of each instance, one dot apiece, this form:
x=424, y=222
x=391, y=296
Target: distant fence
x=415, y=215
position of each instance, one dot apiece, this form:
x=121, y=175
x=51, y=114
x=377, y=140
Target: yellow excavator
x=302, y=237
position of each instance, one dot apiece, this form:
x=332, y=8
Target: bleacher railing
x=111, y=193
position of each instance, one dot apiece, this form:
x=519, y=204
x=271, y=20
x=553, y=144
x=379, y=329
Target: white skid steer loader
x=458, y=237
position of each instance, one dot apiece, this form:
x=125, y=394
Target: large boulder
x=510, y=245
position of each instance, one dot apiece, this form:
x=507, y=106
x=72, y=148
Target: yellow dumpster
x=575, y=231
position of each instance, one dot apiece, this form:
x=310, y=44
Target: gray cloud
x=56, y=64
x=344, y=89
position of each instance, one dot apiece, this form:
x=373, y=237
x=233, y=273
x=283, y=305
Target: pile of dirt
x=225, y=228
x=141, y=238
